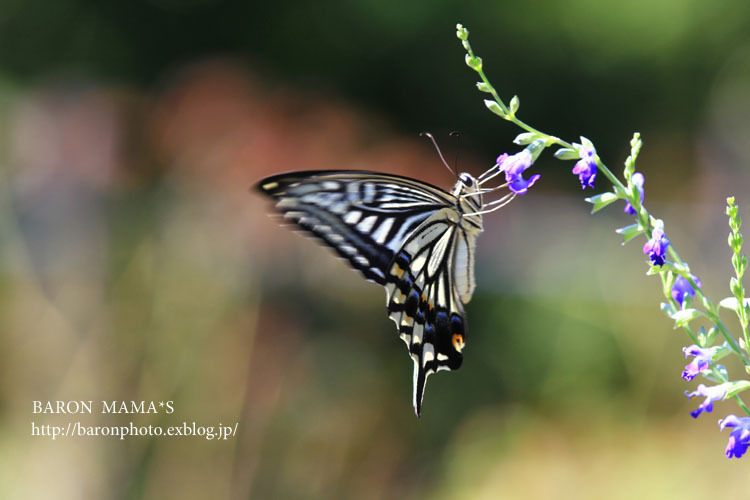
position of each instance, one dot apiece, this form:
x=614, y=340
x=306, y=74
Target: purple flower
x=739, y=439
x=714, y=393
x=585, y=168
x=637, y=181
x=700, y=362
x=519, y=185
x=513, y=166
x=656, y=247
x=682, y=288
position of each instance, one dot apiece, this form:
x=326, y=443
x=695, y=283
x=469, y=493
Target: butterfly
x=413, y=238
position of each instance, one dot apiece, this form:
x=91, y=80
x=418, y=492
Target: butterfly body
x=415, y=239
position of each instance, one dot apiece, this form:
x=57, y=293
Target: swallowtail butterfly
x=415, y=239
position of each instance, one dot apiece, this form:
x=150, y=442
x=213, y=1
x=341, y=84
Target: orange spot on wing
x=458, y=341
x=396, y=269
x=429, y=304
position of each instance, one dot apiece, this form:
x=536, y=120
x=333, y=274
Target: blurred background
x=136, y=265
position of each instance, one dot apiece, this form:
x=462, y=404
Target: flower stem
x=550, y=139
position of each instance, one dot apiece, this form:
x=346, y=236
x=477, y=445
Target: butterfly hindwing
x=423, y=300
x=364, y=216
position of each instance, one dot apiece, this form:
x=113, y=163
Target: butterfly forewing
x=365, y=217
x=400, y=233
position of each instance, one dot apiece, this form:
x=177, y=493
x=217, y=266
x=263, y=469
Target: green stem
x=528, y=128
x=741, y=404
x=744, y=329
x=551, y=138
x=740, y=296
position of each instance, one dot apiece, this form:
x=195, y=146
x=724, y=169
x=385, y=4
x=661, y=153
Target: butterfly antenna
x=440, y=153
x=457, y=135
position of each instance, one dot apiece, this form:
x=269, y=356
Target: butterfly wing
x=403, y=234
x=425, y=297
x=364, y=216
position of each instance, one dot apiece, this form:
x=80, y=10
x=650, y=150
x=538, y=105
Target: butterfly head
x=467, y=183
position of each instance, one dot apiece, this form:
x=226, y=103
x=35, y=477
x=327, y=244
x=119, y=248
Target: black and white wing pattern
x=423, y=298
x=409, y=236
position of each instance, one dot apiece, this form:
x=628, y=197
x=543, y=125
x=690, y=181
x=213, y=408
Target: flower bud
x=483, y=87
x=495, y=108
x=514, y=104
x=461, y=32
x=473, y=62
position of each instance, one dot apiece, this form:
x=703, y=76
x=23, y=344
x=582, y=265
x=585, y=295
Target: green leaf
x=711, y=336
x=737, y=387
x=567, y=154
x=722, y=351
x=495, y=107
x=601, y=200
x=735, y=287
x=722, y=371
x=702, y=337
x=536, y=148
x=667, y=308
x=587, y=143
x=515, y=102
x=714, y=377
x=483, y=87
x=684, y=316
x=731, y=303
x=660, y=269
x=630, y=232
x=525, y=138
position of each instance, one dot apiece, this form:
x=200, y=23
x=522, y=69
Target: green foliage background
x=136, y=266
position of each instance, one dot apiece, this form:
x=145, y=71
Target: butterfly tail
x=420, y=379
